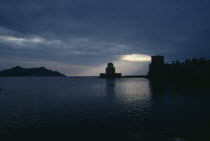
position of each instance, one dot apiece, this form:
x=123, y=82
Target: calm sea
x=90, y=108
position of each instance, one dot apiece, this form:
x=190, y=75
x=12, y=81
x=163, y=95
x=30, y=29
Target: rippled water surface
x=90, y=108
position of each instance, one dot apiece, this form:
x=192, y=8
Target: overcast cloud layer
x=79, y=37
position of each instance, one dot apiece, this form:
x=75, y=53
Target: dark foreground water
x=99, y=109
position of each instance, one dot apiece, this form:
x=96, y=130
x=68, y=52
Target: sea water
x=90, y=108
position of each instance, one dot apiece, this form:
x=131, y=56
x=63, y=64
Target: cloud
x=91, y=33
x=20, y=41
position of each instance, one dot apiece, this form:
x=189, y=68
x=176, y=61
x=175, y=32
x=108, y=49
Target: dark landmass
x=193, y=72
x=35, y=72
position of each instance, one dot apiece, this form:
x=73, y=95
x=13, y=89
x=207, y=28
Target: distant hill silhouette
x=19, y=71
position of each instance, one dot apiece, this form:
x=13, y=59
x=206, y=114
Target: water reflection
x=110, y=87
x=179, y=111
x=127, y=109
x=110, y=92
x=156, y=89
x=135, y=90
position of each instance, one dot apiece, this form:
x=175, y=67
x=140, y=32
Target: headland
x=34, y=72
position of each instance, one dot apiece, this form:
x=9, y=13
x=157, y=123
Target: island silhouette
x=19, y=71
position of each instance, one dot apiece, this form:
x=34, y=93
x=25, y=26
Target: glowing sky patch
x=136, y=58
x=83, y=36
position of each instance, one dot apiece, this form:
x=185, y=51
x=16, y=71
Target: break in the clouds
x=136, y=58
x=79, y=37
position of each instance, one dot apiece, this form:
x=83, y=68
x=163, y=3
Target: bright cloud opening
x=136, y=57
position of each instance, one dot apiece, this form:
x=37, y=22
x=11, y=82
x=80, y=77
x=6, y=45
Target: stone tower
x=110, y=72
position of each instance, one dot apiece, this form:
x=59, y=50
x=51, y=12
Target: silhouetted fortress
x=195, y=69
x=110, y=72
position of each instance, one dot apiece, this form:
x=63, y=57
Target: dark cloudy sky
x=79, y=37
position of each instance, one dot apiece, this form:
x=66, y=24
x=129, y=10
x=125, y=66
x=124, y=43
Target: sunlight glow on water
x=93, y=108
